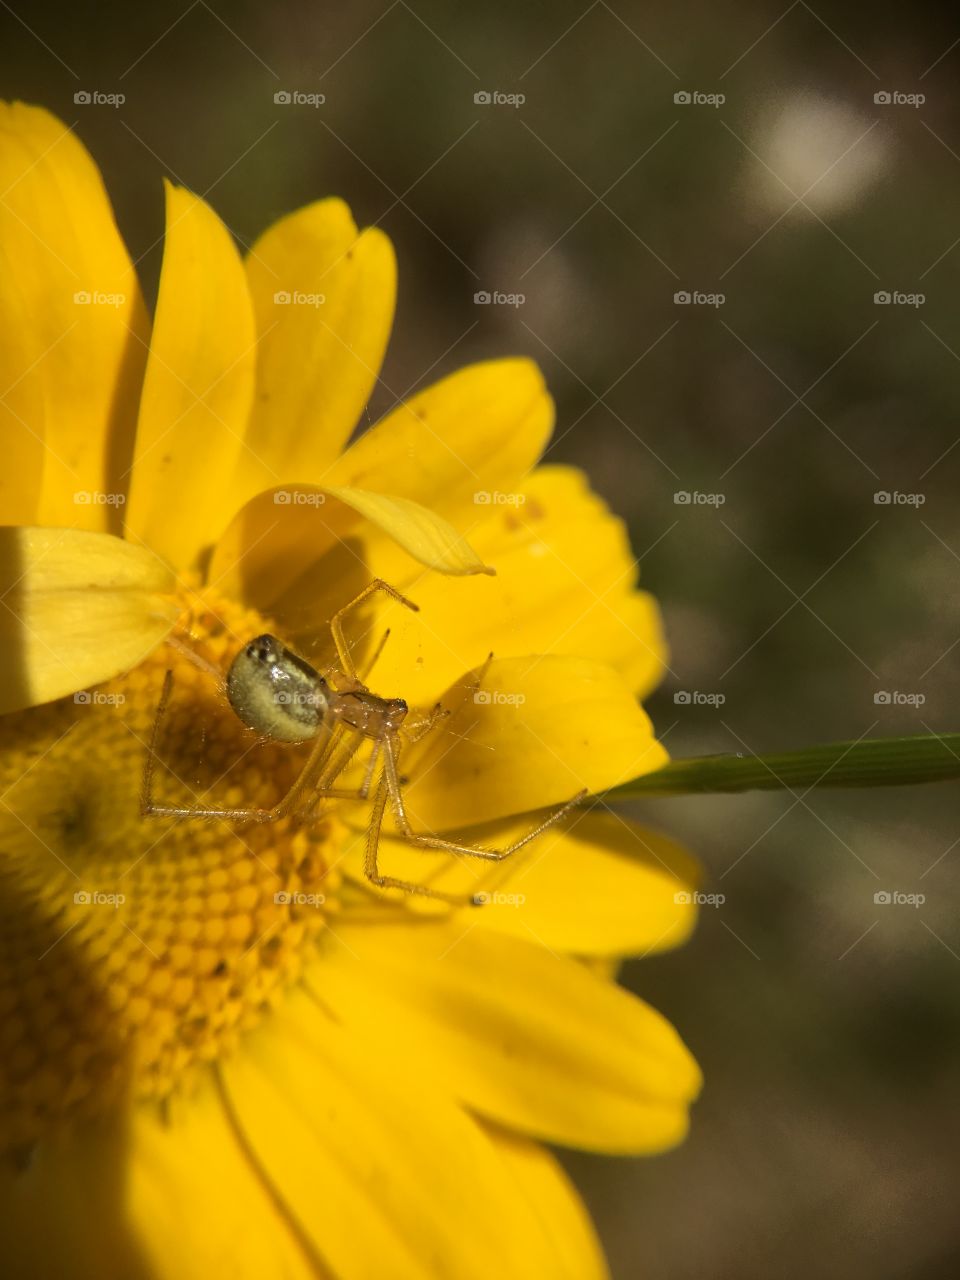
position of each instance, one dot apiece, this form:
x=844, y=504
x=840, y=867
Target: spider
x=283, y=698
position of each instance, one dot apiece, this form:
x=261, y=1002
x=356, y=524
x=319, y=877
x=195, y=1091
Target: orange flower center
x=133, y=949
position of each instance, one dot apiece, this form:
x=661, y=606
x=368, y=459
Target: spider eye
x=261, y=649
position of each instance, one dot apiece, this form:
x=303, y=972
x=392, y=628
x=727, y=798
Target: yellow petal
x=604, y=887
x=78, y=608
x=473, y=435
x=538, y=731
x=198, y=387
x=476, y=432
x=481, y=428
x=198, y=1203
x=560, y=1211
x=383, y=1173
x=570, y=575
x=273, y=555
x=419, y=531
x=598, y=885
x=565, y=583
x=531, y=1040
x=72, y=331
x=323, y=297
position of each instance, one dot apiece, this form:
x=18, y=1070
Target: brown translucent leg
x=364, y=789
x=377, y=652
x=344, y=656
x=389, y=789
x=199, y=661
x=371, y=867
x=325, y=791
x=414, y=730
x=286, y=805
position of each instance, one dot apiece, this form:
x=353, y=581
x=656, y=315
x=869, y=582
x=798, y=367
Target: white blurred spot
x=820, y=148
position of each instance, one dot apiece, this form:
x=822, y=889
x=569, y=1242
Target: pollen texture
x=133, y=949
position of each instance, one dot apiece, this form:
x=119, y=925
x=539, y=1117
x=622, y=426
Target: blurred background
x=736, y=233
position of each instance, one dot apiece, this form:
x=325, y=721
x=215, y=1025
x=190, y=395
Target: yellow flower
x=222, y=1052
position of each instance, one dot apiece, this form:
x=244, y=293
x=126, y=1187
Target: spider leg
x=149, y=808
x=389, y=789
x=371, y=866
x=414, y=730
x=324, y=790
x=364, y=790
x=344, y=656
x=429, y=841
x=464, y=695
x=377, y=652
x=199, y=661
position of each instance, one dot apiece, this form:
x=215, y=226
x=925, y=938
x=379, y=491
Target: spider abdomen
x=277, y=693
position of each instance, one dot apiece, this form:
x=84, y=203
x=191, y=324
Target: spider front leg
x=371, y=866
x=414, y=730
x=345, y=658
x=389, y=788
